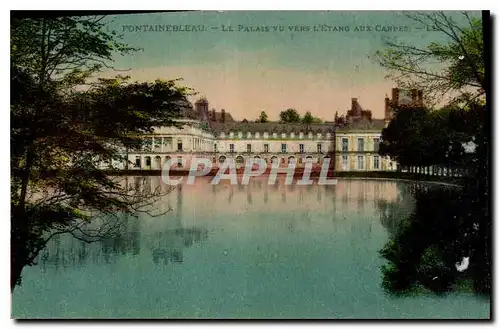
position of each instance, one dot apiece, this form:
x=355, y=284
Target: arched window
x=240, y=160
x=222, y=159
x=148, y=161
x=274, y=160
x=291, y=160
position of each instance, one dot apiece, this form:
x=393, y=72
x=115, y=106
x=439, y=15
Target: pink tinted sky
x=247, y=89
x=248, y=72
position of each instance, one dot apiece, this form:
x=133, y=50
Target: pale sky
x=307, y=66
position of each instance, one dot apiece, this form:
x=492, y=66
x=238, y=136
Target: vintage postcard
x=251, y=165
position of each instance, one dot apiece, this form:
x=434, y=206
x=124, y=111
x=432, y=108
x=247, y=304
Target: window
x=283, y=135
x=266, y=148
x=345, y=144
x=301, y=148
x=319, y=148
x=376, y=144
x=240, y=160
x=179, y=161
x=249, y=135
x=266, y=134
x=291, y=160
x=222, y=135
x=257, y=135
x=310, y=135
x=231, y=148
x=168, y=142
x=345, y=162
x=361, y=144
x=301, y=135
x=157, y=142
x=179, y=145
x=148, y=161
x=361, y=162
x=222, y=159
x=137, y=162
x=275, y=135
x=240, y=134
x=147, y=144
x=249, y=148
x=215, y=147
x=231, y=134
x=319, y=136
x=376, y=162
x=292, y=135
x=283, y=148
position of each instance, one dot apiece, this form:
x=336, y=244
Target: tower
x=201, y=107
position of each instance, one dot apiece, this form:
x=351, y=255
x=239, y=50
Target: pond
x=256, y=251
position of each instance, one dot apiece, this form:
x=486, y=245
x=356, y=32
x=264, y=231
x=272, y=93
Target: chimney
x=354, y=101
x=213, y=115
x=414, y=96
x=355, y=107
x=222, y=115
x=387, y=112
x=395, y=96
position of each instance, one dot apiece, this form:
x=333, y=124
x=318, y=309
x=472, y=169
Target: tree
x=263, y=117
x=61, y=133
x=289, y=116
x=447, y=225
x=308, y=118
x=461, y=68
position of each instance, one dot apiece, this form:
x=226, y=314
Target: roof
x=218, y=116
x=270, y=127
x=364, y=124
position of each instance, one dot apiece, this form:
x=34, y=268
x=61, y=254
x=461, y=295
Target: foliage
x=263, y=118
x=289, y=116
x=452, y=67
x=61, y=133
x=446, y=224
x=309, y=119
x=411, y=138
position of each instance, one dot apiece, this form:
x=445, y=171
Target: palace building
x=350, y=143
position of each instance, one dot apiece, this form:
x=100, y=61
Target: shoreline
x=368, y=175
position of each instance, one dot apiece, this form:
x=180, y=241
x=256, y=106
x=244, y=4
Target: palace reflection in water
x=236, y=251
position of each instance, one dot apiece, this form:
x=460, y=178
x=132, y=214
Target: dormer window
x=222, y=135
x=240, y=134
x=319, y=135
x=257, y=135
x=275, y=135
x=301, y=135
x=249, y=135
x=328, y=135
x=292, y=135
x=310, y=135
x=283, y=135
x=231, y=134
x=266, y=134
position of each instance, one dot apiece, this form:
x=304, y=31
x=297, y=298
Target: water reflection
x=165, y=240
x=259, y=251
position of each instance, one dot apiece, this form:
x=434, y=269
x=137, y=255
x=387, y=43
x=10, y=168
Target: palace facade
x=350, y=143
